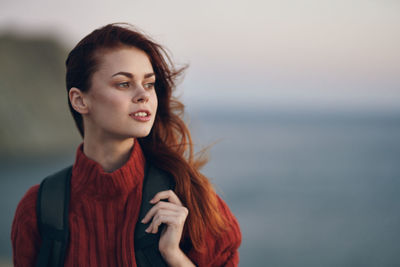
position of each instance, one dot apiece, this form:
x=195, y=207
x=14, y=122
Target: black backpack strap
x=52, y=218
x=146, y=245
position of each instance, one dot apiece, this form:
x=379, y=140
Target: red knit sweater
x=104, y=209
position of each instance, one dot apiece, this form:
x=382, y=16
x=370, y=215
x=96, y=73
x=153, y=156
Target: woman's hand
x=173, y=214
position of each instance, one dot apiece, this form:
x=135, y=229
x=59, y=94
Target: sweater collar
x=89, y=176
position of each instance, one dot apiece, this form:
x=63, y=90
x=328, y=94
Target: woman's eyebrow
x=130, y=75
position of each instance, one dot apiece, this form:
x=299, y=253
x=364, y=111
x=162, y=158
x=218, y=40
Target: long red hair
x=169, y=145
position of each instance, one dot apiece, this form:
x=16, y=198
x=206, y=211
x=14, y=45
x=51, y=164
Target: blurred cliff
x=34, y=113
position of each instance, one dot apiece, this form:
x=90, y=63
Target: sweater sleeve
x=25, y=238
x=224, y=250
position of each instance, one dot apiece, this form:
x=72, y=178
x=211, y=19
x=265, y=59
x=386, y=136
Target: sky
x=309, y=54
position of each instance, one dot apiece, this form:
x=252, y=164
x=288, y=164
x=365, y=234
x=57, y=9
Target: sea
x=309, y=188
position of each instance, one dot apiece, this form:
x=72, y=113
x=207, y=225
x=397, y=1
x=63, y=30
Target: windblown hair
x=169, y=145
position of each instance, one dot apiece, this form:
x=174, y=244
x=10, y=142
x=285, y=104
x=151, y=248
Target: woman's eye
x=149, y=85
x=123, y=84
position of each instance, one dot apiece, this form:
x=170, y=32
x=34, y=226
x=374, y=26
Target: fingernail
x=147, y=230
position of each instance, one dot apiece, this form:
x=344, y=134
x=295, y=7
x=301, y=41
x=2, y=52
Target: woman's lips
x=141, y=115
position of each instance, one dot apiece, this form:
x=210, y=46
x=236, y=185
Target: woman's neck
x=111, y=155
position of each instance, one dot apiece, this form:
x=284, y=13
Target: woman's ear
x=78, y=101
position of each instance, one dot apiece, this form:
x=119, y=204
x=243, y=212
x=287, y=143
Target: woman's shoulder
x=233, y=232
x=26, y=208
x=224, y=208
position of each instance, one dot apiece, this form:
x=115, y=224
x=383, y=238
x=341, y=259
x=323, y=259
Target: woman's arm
x=221, y=251
x=230, y=240
x=25, y=238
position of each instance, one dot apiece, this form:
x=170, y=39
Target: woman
x=120, y=85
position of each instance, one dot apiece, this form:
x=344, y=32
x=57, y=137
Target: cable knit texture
x=104, y=209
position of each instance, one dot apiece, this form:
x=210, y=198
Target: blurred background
x=301, y=97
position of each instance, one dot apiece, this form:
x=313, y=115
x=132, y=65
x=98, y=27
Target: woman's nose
x=141, y=95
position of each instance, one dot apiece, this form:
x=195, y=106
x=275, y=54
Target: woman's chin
x=141, y=134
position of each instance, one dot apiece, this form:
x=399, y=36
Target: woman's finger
x=169, y=217
x=159, y=218
x=168, y=195
x=160, y=205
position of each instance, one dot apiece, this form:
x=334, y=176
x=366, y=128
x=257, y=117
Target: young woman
x=120, y=85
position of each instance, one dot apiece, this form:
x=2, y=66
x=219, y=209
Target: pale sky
x=304, y=54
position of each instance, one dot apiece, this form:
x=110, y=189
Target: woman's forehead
x=125, y=59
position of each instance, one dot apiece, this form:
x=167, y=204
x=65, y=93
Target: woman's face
x=122, y=101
